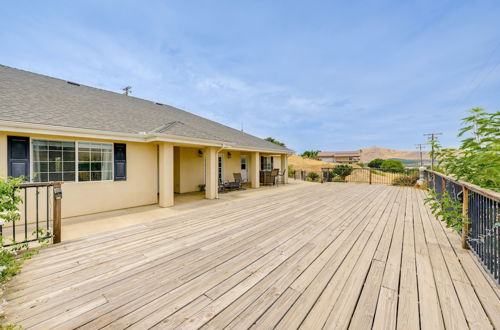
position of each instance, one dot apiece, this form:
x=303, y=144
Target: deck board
x=313, y=256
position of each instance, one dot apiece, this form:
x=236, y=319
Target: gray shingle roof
x=32, y=98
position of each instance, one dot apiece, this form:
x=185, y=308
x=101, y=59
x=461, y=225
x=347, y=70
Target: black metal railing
x=39, y=215
x=482, y=210
x=371, y=175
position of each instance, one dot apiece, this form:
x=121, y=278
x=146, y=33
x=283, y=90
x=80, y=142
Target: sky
x=321, y=75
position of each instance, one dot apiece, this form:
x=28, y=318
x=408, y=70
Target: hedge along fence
x=480, y=208
x=384, y=176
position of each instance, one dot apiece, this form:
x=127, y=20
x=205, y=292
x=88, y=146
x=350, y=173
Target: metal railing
x=382, y=176
x=40, y=215
x=481, y=207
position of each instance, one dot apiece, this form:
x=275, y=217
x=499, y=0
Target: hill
x=369, y=154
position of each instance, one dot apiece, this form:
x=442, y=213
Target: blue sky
x=325, y=75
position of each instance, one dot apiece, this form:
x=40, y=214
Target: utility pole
x=421, y=146
x=432, y=138
x=128, y=90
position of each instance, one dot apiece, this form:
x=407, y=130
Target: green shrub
x=392, y=164
x=376, y=163
x=341, y=171
x=312, y=176
x=406, y=180
x=476, y=160
x=361, y=164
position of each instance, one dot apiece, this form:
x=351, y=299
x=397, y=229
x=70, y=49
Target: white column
x=166, y=174
x=284, y=166
x=211, y=173
x=254, y=169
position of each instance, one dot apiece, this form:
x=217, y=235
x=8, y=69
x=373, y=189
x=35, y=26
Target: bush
x=392, y=164
x=376, y=163
x=312, y=176
x=291, y=171
x=361, y=164
x=341, y=171
x=406, y=180
x=476, y=160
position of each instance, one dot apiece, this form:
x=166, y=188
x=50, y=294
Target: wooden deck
x=317, y=256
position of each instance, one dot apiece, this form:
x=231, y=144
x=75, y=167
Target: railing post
x=370, y=171
x=465, y=213
x=56, y=218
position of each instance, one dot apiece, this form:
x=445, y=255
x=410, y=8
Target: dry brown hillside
x=369, y=154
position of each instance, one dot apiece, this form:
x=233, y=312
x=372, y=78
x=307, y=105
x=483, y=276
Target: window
x=95, y=161
x=53, y=161
x=266, y=163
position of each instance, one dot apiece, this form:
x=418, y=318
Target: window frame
x=77, y=150
x=76, y=159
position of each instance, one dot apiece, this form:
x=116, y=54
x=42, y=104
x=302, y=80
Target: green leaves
x=477, y=160
x=446, y=209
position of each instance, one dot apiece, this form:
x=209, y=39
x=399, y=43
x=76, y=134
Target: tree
x=478, y=157
x=341, y=171
x=392, y=164
x=273, y=140
x=376, y=163
x=313, y=154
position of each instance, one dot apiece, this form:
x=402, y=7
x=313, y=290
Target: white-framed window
x=95, y=161
x=53, y=160
x=266, y=163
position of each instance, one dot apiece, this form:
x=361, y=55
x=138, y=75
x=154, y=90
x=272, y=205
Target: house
x=114, y=151
x=342, y=157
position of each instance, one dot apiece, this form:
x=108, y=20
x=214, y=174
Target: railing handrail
x=38, y=184
x=475, y=188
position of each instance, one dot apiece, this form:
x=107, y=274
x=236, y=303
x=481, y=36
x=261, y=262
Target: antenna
x=128, y=90
x=432, y=138
x=242, y=127
x=421, y=146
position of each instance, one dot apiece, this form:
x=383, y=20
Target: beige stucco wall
x=189, y=170
x=80, y=198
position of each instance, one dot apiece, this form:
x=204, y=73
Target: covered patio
x=306, y=256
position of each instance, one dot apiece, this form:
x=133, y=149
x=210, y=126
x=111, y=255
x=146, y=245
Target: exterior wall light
x=200, y=153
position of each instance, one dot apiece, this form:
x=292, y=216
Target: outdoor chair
x=238, y=180
x=281, y=177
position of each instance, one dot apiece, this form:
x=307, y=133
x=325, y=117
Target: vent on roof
x=159, y=103
x=73, y=83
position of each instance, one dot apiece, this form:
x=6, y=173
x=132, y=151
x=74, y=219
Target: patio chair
x=266, y=178
x=281, y=177
x=239, y=180
x=274, y=175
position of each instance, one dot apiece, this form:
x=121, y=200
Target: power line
x=432, y=138
x=421, y=146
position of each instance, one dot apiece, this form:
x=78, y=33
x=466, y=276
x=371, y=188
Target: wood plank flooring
x=318, y=256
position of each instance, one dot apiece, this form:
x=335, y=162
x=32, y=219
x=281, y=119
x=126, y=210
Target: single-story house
x=342, y=157
x=115, y=151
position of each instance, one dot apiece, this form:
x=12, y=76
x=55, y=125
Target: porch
x=314, y=256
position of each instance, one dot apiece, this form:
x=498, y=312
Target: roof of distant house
x=27, y=97
x=339, y=153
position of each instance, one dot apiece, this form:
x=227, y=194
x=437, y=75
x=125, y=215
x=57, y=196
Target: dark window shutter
x=272, y=163
x=18, y=156
x=120, y=150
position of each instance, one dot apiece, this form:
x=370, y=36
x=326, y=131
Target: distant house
x=342, y=157
x=115, y=151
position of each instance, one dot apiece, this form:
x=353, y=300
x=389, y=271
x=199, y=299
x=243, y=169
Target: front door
x=244, y=168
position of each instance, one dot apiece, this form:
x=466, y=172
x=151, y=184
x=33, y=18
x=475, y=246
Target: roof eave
x=43, y=129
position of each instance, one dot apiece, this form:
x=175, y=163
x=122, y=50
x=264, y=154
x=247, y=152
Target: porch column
x=166, y=174
x=284, y=166
x=254, y=169
x=211, y=173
